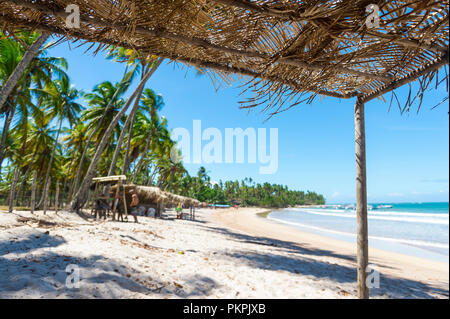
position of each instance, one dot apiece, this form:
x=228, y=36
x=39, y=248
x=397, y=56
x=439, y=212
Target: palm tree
x=75, y=140
x=81, y=195
x=148, y=64
x=21, y=67
x=105, y=102
x=145, y=128
x=59, y=98
x=40, y=71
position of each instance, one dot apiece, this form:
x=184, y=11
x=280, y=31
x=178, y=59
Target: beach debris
x=344, y=293
x=177, y=285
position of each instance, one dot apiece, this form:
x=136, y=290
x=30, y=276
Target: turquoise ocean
x=416, y=229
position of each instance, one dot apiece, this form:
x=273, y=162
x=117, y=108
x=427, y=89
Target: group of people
x=102, y=206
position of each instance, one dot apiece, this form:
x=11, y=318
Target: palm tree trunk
x=130, y=120
x=76, y=182
x=8, y=119
x=33, y=192
x=12, y=191
x=141, y=160
x=50, y=163
x=24, y=178
x=81, y=195
x=130, y=134
x=112, y=167
x=57, y=198
x=10, y=84
x=45, y=197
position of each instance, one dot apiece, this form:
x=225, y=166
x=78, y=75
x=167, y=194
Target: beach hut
x=115, y=192
x=151, y=196
x=287, y=52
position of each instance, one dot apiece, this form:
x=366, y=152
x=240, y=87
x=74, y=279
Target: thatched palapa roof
x=152, y=194
x=108, y=179
x=286, y=51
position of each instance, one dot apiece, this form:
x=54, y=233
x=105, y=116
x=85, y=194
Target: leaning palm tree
x=148, y=65
x=105, y=103
x=146, y=128
x=19, y=70
x=40, y=71
x=81, y=195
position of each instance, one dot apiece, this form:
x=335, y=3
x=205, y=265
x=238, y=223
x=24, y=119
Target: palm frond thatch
x=285, y=51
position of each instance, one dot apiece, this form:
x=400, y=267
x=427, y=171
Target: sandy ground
x=223, y=254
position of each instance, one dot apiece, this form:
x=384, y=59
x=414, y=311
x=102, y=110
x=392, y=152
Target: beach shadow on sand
x=44, y=274
x=300, y=260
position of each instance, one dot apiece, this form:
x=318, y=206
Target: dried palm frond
x=286, y=51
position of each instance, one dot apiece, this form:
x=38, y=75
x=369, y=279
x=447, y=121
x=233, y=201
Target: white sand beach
x=229, y=253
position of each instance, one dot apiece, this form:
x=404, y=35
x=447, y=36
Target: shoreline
x=385, y=244
x=390, y=264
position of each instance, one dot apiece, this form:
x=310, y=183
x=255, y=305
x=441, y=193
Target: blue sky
x=407, y=155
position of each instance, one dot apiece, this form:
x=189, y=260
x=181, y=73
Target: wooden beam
x=409, y=43
x=438, y=63
x=264, y=10
x=231, y=69
x=361, y=200
x=194, y=41
x=295, y=16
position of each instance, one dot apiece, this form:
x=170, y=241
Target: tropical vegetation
x=57, y=137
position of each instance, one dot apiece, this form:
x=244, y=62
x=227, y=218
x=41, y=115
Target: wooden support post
x=361, y=200
x=33, y=192
x=12, y=191
x=57, y=198
x=93, y=204
x=125, y=208
x=116, y=200
x=193, y=214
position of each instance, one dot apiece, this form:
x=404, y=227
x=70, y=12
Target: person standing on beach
x=179, y=211
x=134, y=204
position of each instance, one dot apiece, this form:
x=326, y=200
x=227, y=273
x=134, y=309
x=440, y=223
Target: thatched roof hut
x=154, y=195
